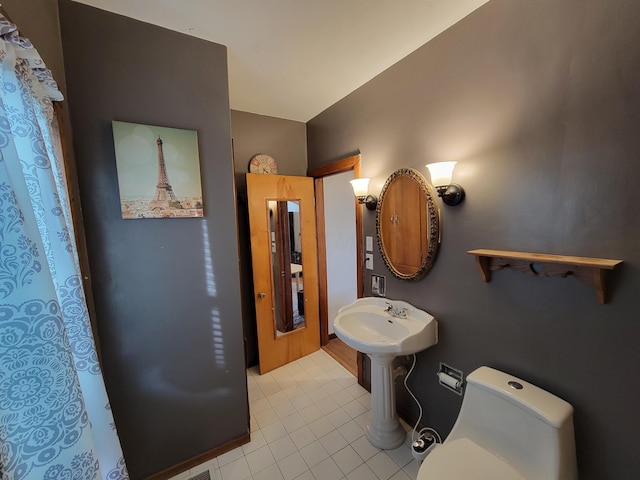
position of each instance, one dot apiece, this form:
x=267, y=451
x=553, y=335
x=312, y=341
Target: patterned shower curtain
x=55, y=419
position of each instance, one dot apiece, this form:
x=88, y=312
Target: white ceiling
x=294, y=58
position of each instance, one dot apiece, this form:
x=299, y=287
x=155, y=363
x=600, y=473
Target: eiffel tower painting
x=164, y=196
x=158, y=171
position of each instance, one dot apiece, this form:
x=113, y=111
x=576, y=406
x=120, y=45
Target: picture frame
x=158, y=171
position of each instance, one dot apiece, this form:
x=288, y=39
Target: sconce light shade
x=360, y=190
x=441, y=173
x=360, y=186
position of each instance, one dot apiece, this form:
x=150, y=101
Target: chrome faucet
x=398, y=312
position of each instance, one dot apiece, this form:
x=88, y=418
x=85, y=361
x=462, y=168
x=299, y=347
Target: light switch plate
x=368, y=261
x=368, y=244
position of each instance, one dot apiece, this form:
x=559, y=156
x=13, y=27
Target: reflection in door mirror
x=286, y=263
x=408, y=224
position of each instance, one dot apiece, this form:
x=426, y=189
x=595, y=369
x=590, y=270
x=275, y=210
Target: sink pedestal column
x=384, y=430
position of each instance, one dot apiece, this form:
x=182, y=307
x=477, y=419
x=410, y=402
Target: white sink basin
x=384, y=329
x=369, y=326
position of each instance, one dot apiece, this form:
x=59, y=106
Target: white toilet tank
x=529, y=428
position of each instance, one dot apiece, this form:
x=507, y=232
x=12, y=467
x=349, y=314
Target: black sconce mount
x=370, y=201
x=451, y=194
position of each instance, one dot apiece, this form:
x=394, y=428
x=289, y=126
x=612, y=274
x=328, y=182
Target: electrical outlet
x=378, y=285
x=368, y=261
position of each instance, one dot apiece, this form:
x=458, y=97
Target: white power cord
x=427, y=437
x=406, y=378
x=431, y=432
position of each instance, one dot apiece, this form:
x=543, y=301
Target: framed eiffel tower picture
x=158, y=171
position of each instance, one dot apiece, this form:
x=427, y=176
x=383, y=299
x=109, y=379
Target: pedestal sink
x=384, y=329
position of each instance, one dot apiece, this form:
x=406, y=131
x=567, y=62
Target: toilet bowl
x=507, y=429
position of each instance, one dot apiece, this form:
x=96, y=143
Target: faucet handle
x=389, y=307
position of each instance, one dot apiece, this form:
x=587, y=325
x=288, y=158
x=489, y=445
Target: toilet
x=507, y=429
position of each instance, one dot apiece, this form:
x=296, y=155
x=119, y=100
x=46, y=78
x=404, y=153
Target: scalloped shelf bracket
x=589, y=270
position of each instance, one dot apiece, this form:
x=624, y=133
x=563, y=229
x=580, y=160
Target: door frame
x=352, y=162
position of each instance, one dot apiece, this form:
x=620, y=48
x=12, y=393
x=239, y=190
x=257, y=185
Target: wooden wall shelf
x=589, y=270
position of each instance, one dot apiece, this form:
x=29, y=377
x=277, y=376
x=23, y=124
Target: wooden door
x=282, y=223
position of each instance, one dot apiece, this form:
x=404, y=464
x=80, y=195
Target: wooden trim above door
x=344, y=165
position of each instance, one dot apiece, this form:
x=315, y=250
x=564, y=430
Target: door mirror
x=286, y=264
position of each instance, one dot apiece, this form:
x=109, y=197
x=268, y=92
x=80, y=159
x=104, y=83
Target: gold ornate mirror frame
x=408, y=224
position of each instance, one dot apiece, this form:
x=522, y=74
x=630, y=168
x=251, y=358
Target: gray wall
x=539, y=102
x=166, y=290
x=286, y=142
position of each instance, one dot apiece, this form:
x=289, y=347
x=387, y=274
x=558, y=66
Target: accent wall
x=539, y=102
x=286, y=142
x=167, y=291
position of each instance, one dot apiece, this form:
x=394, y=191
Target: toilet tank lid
x=539, y=402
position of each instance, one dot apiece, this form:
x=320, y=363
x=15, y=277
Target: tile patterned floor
x=307, y=422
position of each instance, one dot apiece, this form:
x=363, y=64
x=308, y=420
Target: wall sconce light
x=360, y=189
x=441, y=172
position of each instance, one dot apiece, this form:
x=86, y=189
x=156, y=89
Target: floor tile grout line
x=294, y=384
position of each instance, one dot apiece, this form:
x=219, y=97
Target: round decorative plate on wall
x=263, y=163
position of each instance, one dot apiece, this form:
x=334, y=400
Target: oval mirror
x=407, y=224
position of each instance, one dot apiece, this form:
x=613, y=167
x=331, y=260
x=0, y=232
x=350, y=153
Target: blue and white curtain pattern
x=55, y=420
